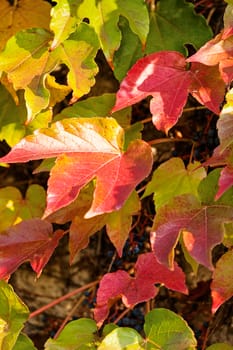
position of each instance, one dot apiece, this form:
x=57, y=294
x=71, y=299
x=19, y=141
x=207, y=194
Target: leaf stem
x=62, y=298
x=165, y=140
x=122, y=315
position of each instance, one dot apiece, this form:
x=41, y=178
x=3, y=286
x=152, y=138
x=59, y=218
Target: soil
x=59, y=278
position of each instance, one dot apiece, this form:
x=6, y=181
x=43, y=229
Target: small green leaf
x=78, y=334
x=172, y=179
x=168, y=331
x=122, y=339
x=169, y=31
x=13, y=314
x=23, y=343
x=108, y=328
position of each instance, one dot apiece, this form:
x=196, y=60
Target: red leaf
x=87, y=148
x=222, y=286
x=30, y=240
x=225, y=181
x=215, y=50
x=207, y=86
x=134, y=290
x=201, y=226
x=162, y=75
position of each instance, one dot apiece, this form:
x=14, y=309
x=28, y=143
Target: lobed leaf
x=87, y=149
x=148, y=271
x=30, y=240
x=201, y=226
x=28, y=15
x=172, y=179
x=169, y=31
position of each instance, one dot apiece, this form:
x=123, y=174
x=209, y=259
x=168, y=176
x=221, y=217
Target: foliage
x=99, y=164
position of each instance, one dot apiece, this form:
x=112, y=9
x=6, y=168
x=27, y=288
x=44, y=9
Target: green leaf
x=172, y=179
x=129, y=52
x=12, y=117
x=97, y=106
x=220, y=346
x=104, y=16
x=122, y=339
x=168, y=331
x=169, y=30
x=108, y=328
x=63, y=20
x=14, y=208
x=78, y=334
x=13, y=314
x=78, y=53
x=208, y=188
x=23, y=343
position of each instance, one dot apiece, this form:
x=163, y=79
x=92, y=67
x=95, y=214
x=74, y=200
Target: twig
x=64, y=297
x=122, y=315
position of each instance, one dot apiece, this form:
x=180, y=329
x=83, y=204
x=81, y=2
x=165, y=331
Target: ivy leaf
x=78, y=334
x=200, y=225
x=220, y=346
x=164, y=75
x=14, y=208
x=169, y=31
x=121, y=339
x=13, y=314
x=63, y=21
x=222, y=286
x=171, y=179
x=166, y=330
x=28, y=15
x=120, y=285
x=104, y=17
x=57, y=92
x=87, y=149
x=17, y=246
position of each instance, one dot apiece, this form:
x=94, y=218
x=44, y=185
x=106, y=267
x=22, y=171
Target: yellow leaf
x=57, y=91
x=22, y=15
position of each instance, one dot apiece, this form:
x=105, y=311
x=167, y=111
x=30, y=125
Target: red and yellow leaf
x=30, y=240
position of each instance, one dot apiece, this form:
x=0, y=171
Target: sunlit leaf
x=63, y=20
x=172, y=179
x=222, y=286
x=30, y=240
x=13, y=314
x=120, y=284
x=104, y=16
x=28, y=14
x=166, y=330
x=86, y=149
x=14, y=208
x=200, y=225
x=57, y=91
x=122, y=339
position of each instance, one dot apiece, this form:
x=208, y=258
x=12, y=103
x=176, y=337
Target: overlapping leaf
x=172, y=179
x=222, y=286
x=104, y=16
x=164, y=75
x=14, y=208
x=120, y=285
x=18, y=17
x=30, y=240
x=169, y=31
x=31, y=48
x=201, y=226
x=87, y=149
